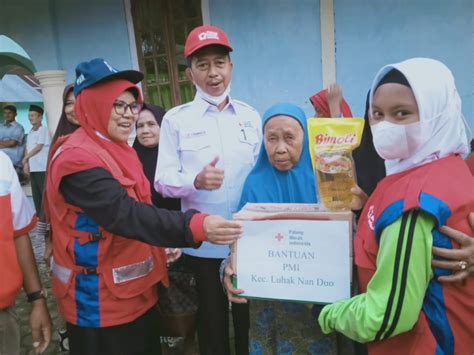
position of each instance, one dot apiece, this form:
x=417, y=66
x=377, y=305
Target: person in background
x=67, y=124
x=417, y=127
x=18, y=265
x=208, y=146
x=330, y=103
x=105, y=229
x=12, y=137
x=146, y=145
x=284, y=166
x=36, y=155
x=370, y=167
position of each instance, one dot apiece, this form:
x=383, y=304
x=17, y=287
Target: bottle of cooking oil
x=336, y=177
x=332, y=141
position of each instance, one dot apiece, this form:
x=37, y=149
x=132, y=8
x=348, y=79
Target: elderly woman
x=106, y=267
x=282, y=174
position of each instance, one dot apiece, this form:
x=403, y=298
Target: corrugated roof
x=19, y=88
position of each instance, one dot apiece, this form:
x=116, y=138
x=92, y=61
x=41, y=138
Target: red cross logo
x=279, y=237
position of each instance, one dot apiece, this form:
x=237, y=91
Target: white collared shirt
x=191, y=136
x=38, y=161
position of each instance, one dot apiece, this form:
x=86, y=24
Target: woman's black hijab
x=370, y=167
x=148, y=157
x=64, y=126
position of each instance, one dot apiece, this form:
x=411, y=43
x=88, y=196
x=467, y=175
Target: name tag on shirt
x=191, y=135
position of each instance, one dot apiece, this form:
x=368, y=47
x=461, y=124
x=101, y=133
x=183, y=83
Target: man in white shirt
x=207, y=148
x=36, y=155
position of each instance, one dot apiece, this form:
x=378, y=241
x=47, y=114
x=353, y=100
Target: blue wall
x=102, y=33
x=277, y=50
x=29, y=24
x=371, y=33
x=278, y=55
x=277, y=46
x=58, y=34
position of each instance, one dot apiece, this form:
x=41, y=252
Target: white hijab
x=439, y=107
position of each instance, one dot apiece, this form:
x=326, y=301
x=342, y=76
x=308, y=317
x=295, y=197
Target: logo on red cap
x=203, y=36
x=208, y=35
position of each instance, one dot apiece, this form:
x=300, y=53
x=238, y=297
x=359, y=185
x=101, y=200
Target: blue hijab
x=267, y=184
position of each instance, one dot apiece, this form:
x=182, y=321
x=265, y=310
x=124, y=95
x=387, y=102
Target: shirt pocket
x=195, y=153
x=242, y=156
x=194, y=144
x=248, y=135
x=247, y=145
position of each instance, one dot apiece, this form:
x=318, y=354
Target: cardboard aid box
x=294, y=252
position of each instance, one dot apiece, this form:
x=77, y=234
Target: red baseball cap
x=204, y=36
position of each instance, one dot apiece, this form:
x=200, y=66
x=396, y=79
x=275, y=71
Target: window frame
x=142, y=24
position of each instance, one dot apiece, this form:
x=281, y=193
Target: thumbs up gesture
x=210, y=177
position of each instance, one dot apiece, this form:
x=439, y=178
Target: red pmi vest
x=11, y=277
x=99, y=279
x=445, y=190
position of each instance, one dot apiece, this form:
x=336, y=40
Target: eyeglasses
x=120, y=107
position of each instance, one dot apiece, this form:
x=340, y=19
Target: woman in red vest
x=418, y=128
x=105, y=261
